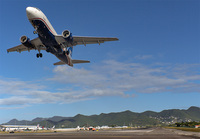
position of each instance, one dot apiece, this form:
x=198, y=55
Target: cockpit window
x=37, y=9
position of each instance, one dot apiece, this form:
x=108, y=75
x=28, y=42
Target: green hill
x=120, y=118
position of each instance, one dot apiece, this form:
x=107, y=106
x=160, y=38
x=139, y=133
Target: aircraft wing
x=35, y=42
x=80, y=40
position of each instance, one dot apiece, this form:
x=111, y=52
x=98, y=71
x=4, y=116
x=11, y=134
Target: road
x=156, y=133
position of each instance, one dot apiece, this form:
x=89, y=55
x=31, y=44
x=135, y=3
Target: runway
x=156, y=133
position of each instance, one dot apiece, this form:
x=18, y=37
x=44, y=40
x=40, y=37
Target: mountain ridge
x=118, y=118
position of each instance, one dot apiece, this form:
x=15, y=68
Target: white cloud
x=24, y=97
x=11, y=107
x=122, y=77
x=143, y=57
x=12, y=86
x=111, y=78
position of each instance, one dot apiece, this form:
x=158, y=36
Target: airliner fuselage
x=46, y=33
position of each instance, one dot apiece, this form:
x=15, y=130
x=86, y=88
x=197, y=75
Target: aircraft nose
x=28, y=10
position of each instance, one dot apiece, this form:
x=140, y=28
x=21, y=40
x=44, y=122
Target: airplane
x=19, y=127
x=59, y=45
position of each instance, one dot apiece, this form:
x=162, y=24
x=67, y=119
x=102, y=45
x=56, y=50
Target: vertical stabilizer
x=70, y=50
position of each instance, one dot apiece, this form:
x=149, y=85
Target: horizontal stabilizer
x=73, y=62
x=59, y=63
x=79, y=61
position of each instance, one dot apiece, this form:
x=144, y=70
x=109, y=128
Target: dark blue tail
x=70, y=49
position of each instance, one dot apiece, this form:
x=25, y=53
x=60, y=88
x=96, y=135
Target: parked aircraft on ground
x=59, y=45
x=9, y=128
x=20, y=127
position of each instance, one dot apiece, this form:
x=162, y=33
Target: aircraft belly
x=47, y=38
x=62, y=57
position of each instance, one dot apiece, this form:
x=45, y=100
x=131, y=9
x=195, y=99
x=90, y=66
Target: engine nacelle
x=67, y=35
x=26, y=41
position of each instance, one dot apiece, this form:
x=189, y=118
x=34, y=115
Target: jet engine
x=26, y=41
x=67, y=35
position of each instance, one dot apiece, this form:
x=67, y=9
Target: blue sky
x=155, y=65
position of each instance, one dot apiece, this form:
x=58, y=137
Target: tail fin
x=70, y=49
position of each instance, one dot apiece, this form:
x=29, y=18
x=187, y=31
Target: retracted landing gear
x=39, y=55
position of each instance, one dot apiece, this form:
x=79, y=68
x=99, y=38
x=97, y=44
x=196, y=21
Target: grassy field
x=185, y=129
